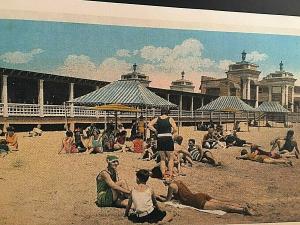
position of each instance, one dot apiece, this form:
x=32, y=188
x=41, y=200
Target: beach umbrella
x=116, y=108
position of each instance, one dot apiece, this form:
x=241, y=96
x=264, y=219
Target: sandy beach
x=39, y=186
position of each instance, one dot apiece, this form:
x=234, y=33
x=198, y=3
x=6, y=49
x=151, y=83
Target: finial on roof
x=281, y=66
x=182, y=75
x=244, y=55
x=134, y=67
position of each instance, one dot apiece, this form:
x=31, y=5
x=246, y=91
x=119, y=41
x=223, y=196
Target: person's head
x=142, y=176
x=96, y=132
x=165, y=111
x=290, y=134
x=210, y=130
x=191, y=142
x=69, y=133
x=123, y=133
x=141, y=117
x=133, y=121
x=178, y=139
x=112, y=161
x=3, y=142
x=39, y=126
x=167, y=182
x=138, y=136
x=244, y=152
x=10, y=130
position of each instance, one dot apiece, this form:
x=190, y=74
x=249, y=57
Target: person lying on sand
x=144, y=203
x=36, y=131
x=201, y=156
x=286, y=145
x=111, y=191
x=255, y=156
x=234, y=140
x=179, y=191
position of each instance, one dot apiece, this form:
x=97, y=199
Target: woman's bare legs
x=214, y=204
x=120, y=198
x=166, y=219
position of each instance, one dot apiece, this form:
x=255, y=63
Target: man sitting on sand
x=209, y=139
x=179, y=191
x=11, y=139
x=36, y=131
x=111, y=191
x=255, y=156
x=144, y=202
x=199, y=155
x=287, y=148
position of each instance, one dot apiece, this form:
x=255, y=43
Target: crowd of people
x=169, y=152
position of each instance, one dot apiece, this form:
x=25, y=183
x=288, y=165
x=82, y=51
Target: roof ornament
x=182, y=75
x=281, y=66
x=244, y=56
x=134, y=67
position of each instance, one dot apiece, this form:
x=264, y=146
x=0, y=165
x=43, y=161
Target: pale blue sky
x=60, y=47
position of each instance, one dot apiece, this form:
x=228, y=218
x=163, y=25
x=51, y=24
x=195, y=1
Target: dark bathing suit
x=164, y=136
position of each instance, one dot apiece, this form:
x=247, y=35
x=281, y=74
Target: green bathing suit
x=104, y=192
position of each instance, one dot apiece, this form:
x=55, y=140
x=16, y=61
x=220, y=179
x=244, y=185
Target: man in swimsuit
x=179, y=191
x=289, y=148
x=111, y=191
x=165, y=127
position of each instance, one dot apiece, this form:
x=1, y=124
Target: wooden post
x=66, y=117
x=248, y=121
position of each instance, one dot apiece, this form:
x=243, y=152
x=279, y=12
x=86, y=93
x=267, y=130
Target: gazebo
x=126, y=92
x=274, y=110
x=230, y=104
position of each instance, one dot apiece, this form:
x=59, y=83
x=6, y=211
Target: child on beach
x=11, y=139
x=138, y=144
x=144, y=202
x=68, y=145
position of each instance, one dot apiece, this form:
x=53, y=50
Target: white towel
x=178, y=205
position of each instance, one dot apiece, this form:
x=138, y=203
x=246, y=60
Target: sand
x=39, y=186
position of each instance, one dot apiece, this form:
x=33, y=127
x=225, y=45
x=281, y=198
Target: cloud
x=223, y=64
x=79, y=66
x=123, y=53
x=112, y=69
x=256, y=56
x=18, y=57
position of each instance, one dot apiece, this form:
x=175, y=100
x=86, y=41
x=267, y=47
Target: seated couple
x=212, y=139
x=111, y=191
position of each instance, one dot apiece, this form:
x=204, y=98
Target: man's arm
x=173, y=124
x=128, y=207
x=151, y=125
x=155, y=204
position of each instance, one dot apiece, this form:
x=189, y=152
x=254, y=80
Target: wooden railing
x=18, y=109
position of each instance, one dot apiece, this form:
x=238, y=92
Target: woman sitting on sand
x=11, y=139
x=111, y=191
x=289, y=147
x=179, y=191
x=68, y=145
x=120, y=143
x=144, y=202
x=96, y=143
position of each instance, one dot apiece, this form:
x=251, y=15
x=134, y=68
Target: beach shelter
x=227, y=104
x=126, y=92
x=273, y=108
x=116, y=108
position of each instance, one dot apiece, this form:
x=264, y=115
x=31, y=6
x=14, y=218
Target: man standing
x=165, y=128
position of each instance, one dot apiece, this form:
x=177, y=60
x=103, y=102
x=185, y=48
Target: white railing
x=15, y=109
x=18, y=109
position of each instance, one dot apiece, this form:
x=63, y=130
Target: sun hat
x=111, y=158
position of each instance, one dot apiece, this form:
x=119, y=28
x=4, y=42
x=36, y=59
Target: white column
x=292, y=107
x=180, y=109
x=248, y=90
x=244, y=90
x=202, y=102
x=192, y=106
x=41, y=97
x=4, y=96
x=168, y=98
x=282, y=95
x=256, y=96
x=270, y=93
x=71, y=98
x=287, y=96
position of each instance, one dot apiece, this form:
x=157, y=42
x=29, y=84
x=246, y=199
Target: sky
x=105, y=52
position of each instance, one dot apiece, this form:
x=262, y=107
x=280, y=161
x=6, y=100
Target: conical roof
x=228, y=104
x=272, y=107
x=127, y=92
